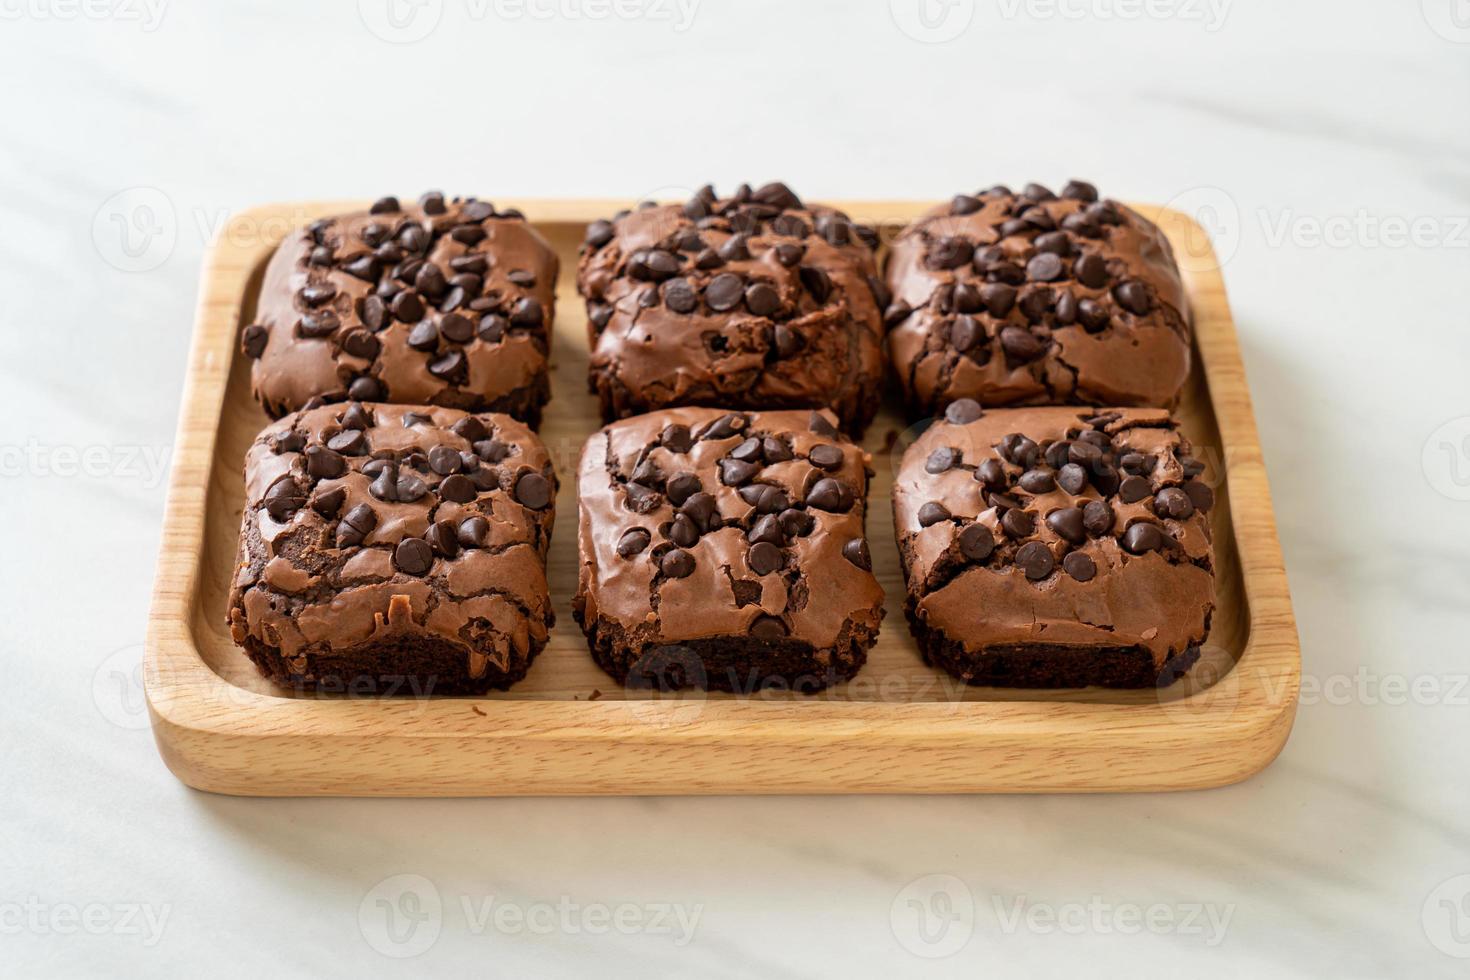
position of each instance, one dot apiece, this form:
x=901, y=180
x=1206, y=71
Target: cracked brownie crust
x=394, y=549
x=755, y=301
x=726, y=550
x=1034, y=298
x=444, y=302
x=1056, y=547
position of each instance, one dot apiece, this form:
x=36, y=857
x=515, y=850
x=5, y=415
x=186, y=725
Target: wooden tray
x=568, y=728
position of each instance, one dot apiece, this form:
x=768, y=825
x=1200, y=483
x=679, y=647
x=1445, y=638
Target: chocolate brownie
x=443, y=302
x=394, y=549
x=1035, y=299
x=725, y=550
x=755, y=301
x=1056, y=547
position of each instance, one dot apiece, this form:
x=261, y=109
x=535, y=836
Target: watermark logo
x=932, y=21
x=1210, y=14
x=141, y=920
x=1450, y=19
x=147, y=14
x=401, y=916
x=1215, y=235
x=117, y=688
x=1207, y=922
x=400, y=21
x=1446, y=459
x=146, y=465
x=933, y=916
x=135, y=230
x=1446, y=917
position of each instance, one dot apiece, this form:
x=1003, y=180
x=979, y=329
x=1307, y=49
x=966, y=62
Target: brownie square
x=1056, y=547
x=725, y=550
x=437, y=303
x=394, y=549
x=755, y=301
x=1034, y=299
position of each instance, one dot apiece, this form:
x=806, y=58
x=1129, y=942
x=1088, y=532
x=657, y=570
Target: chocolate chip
x=424, y=336
x=734, y=472
x=1072, y=478
x=816, y=282
x=976, y=542
x=527, y=312
x=356, y=525
x=818, y=423
x=447, y=365
x=470, y=429
x=679, y=296
x=683, y=532
x=762, y=299
x=374, y=313
x=788, y=254
x=724, y=292
x=457, y=328
x=1019, y=450
x=723, y=427
x=940, y=460
x=1173, y=502
x=703, y=511
x=856, y=551
x=949, y=253
x=477, y=211
x=287, y=442
x=748, y=451
x=1133, y=489
x=829, y=495
x=1091, y=270
x=633, y=542
x=768, y=628
x=283, y=498
x=825, y=457
x=1036, y=481
x=1200, y=495
x=788, y=342
x=1068, y=523
x=384, y=205
x=964, y=204
x=445, y=461
x=681, y=488
x=413, y=556
x=409, y=488
x=1079, y=566
x=324, y=464
x=1036, y=560
x=999, y=299
x=963, y=411
x=1097, y=517
x=677, y=564
x=764, y=558
x=1084, y=454
x=493, y=327
x=253, y=340
x=533, y=490
x=796, y=523
x=407, y=307
x=474, y=532
x=676, y=438
x=1142, y=538
x=776, y=450
x=965, y=333
x=1044, y=267
x=1192, y=467
x=1093, y=315
x=991, y=474
x=348, y=442
x=1133, y=296
x=1017, y=523
x=318, y=324
x=1020, y=344
x=458, y=489
x=932, y=513
x=328, y=502
x=443, y=537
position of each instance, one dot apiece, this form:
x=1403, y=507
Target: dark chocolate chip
x=424, y=336
x=445, y=461
x=788, y=341
x=474, y=532
x=825, y=457
x=407, y=307
x=324, y=464
x=992, y=475
x=1133, y=296
x=682, y=487
x=253, y=340
x=965, y=333
x=1020, y=344
x=1200, y=495
x=1097, y=517
x=318, y=324
x=703, y=511
x=533, y=490
x=1079, y=566
x=328, y=502
x=1044, y=267
x=1079, y=190
x=830, y=495
x=734, y=472
x=1133, y=489
x=1093, y=315
x=1173, y=502
x=384, y=205
x=724, y=292
x=933, y=512
x=797, y=523
x=856, y=551
x=443, y=537
x=458, y=488
x=1072, y=478
x=677, y=564
x=940, y=460
x=1068, y=523
x=1036, y=481
x=676, y=438
x=634, y=542
x=283, y=498
x=356, y=525
x=820, y=424
x=287, y=442
x=768, y=628
x=527, y=312
x=816, y=282
x=1142, y=538
x=679, y=296
x=963, y=411
x=413, y=556
x=976, y=542
x=1036, y=560
x=683, y=532
x=762, y=299
x=999, y=298
x=964, y=204
x=748, y=451
x=447, y=365
x=1017, y=523
x=348, y=442
x=764, y=558
x=1091, y=270
x=493, y=327
x=457, y=328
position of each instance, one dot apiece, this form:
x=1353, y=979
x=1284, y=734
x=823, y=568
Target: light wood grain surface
x=899, y=726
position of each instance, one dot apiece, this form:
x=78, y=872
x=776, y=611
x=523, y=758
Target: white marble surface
x=1318, y=132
